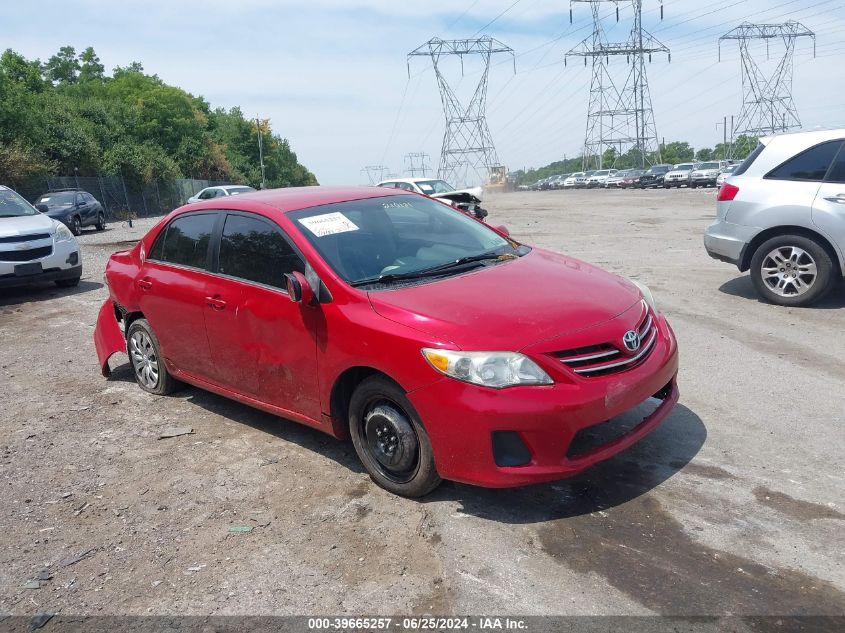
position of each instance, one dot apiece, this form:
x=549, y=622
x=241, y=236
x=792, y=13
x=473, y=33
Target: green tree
x=90, y=67
x=63, y=67
x=705, y=153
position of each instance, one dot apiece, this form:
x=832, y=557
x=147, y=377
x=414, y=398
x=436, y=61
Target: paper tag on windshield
x=328, y=224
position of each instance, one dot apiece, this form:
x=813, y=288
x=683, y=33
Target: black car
x=654, y=176
x=74, y=208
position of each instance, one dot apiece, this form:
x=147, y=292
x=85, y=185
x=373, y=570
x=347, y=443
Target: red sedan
x=441, y=346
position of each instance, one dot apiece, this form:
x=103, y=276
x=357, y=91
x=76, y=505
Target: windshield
x=396, y=235
x=13, y=206
x=683, y=168
x=57, y=199
x=434, y=186
x=578, y=174
x=658, y=169
x=635, y=173
x=603, y=172
x=709, y=166
x=236, y=190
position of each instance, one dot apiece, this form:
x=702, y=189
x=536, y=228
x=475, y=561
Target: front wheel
x=792, y=270
x=390, y=439
x=75, y=225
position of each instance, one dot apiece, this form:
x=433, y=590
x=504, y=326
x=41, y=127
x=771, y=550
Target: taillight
x=727, y=192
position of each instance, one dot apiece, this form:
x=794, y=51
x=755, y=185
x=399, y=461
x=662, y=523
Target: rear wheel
x=147, y=362
x=390, y=439
x=101, y=222
x=792, y=270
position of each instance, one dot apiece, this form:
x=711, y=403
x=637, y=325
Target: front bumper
x=704, y=180
x=546, y=419
x=727, y=242
x=64, y=261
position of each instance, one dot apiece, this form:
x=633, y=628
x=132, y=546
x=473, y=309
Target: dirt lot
x=734, y=506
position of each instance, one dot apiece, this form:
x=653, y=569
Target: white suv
x=35, y=247
x=679, y=176
x=781, y=214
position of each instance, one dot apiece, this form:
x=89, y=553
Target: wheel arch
x=776, y=231
x=343, y=388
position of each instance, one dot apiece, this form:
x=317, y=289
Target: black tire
x=818, y=287
x=68, y=283
x=75, y=225
x=380, y=418
x=693, y=186
x=101, y=222
x=164, y=383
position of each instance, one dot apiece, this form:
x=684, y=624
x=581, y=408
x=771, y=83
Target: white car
x=725, y=174
x=578, y=179
x=615, y=180
x=35, y=247
x=466, y=200
x=679, y=176
x=220, y=192
x=598, y=178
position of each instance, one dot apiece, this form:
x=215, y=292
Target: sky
x=333, y=78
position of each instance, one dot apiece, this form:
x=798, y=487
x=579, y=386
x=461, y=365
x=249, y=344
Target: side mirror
x=503, y=230
x=299, y=290
x=42, y=207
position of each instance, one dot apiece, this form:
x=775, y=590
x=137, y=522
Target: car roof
x=296, y=198
x=412, y=180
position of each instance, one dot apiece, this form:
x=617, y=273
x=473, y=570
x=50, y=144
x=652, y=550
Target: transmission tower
x=417, y=164
x=767, y=104
x=468, y=154
x=374, y=174
x=619, y=115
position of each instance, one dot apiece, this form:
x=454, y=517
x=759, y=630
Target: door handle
x=840, y=198
x=215, y=303
x=145, y=284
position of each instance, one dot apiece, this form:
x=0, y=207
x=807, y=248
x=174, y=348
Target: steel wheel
x=144, y=359
x=789, y=271
x=391, y=441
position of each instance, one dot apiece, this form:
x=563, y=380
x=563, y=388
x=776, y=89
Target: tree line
x=670, y=153
x=67, y=116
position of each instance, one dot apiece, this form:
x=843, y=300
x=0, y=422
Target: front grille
x=607, y=358
x=25, y=256
x=16, y=239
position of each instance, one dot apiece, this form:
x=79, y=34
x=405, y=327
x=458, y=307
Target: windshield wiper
x=433, y=271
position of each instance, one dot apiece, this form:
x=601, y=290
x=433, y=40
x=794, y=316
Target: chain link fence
x=122, y=199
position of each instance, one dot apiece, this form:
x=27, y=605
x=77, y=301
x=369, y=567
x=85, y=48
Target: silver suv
x=781, y=214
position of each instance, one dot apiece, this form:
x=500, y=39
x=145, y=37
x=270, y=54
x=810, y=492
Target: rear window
x=185, y=241
x=810, y=165
x=744, y=165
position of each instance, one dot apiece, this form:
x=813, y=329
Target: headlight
x=63, y=234
x=489, y=369
x=649, y=298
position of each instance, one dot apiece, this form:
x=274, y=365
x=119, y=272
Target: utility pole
x=619, y=114
x=724, y=125
x=258, y=123
x=417, y=164
x=767, y=104
x=468, y=155
x=374, y=174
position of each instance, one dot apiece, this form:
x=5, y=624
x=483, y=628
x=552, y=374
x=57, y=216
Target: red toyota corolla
x=443, y=347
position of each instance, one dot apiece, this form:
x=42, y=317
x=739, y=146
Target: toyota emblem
x=631, y=340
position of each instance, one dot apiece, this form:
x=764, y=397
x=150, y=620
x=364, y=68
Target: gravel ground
x=733, y=506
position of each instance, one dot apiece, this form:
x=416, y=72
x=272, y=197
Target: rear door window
x=254, y=249
x=185, y=241
x=837, y=170
x=809, y=165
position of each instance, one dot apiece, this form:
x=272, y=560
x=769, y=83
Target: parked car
x=546, y=183
x=575, y=180
x=74, y=208
x=614, y=180
x=725, y=174
x=654, y=176
x=679, y=176
x=35, y=247
x=557, y=181
x=442, y=347
x=583, y=184
x=632, y=179
x=706, y=174
x=221, y=191
x=781, y=215
x=466, y=200
x=598, y=178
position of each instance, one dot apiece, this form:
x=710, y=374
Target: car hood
x=706, y=172
x=476, y=192
x=509, y=306
x=24, y=225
